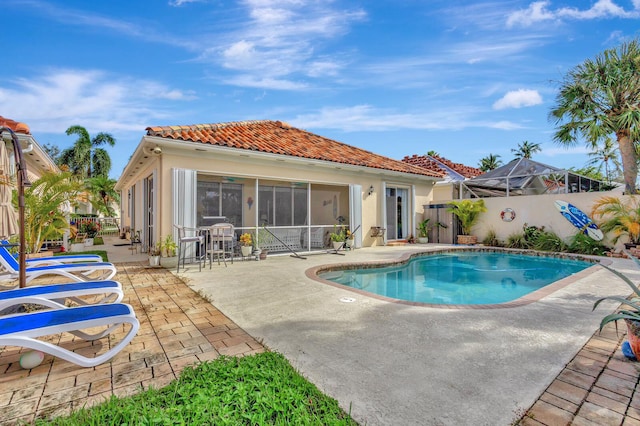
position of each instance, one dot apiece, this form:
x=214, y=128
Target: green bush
x=491, y=239
x=549, y=241
x=517, y=241
x=583, y=244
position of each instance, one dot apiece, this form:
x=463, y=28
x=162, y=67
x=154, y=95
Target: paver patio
x=179, y=328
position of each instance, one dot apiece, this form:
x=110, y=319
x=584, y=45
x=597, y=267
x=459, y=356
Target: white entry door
x=397, y=212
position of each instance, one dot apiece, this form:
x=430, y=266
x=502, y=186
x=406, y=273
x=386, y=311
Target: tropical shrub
x=620, y=217
x=44, y=202
x=491, y=239
x=468, y=212
x=549, y=241
x=517, y=240
x=583, y=244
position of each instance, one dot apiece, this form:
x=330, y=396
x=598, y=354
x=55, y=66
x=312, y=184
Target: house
x=35, y=158
x=267, y=173
x=455, y=173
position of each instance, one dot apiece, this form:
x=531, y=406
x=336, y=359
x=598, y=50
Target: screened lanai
x=523, y=176
x=300, y=214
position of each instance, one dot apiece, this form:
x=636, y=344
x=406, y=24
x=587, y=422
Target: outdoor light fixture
x=370, y=190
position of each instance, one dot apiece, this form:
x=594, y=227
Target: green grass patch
x=98, y=241
x=253, y=390
x=102, y=253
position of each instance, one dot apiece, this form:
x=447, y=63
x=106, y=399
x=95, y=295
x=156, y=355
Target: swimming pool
x=459, y=278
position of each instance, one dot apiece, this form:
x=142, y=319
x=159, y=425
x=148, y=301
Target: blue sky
x=396, y=77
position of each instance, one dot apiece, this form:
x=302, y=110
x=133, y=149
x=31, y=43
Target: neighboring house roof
x=455, y=171
x=277, y=137
x=38, y=161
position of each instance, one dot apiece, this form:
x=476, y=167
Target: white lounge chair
x=54, y=295
x=23, y=329
x=56, y=260
x=74, y=271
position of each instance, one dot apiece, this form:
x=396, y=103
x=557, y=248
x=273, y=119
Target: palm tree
x=599, y=98
x=85, y=157
x=44, y=200
x=526, y=149
x=490, y=162
x=433, y=153
x=603, y=155
x=103, y=194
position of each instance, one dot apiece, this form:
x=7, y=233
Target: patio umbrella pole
x=23, y=181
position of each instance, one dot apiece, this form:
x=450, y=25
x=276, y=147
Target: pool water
x=463, y=278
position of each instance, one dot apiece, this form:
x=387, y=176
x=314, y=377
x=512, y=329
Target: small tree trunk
x=629, y=162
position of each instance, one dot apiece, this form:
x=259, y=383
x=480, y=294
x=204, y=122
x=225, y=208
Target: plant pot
x=76, y=247
x=154, y=260
x=337, y=244
x=246, y=250
x=169, y=262
x=349, y=242
x=88, y=242
x=423, y=240
x=467, y=239
x=263, y=254
x=633, y=336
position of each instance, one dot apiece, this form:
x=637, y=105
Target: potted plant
x=423, y=230
x=168, y=249
x=621, y=218
x=90, y=228
x=263, y=239
x=246, y=244
x=338, y=238
x=349, y=240
x=468, y=212
x=154, y=254
x=630, y=316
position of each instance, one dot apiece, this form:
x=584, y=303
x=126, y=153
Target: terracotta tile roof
x=431, y=163
x=14, y=125
x=276, y=137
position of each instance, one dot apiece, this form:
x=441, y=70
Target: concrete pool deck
x=390, y=363
x=386, y=363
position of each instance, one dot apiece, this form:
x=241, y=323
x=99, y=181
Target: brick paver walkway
x=598, y=387
x=177, y=328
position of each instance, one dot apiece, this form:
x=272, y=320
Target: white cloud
x=283, y=39
x=540, y=11
x=179, y=3
x=360, y=117
x=94, y=99
x=518, y=99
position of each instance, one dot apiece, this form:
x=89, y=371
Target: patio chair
x=74, y=271
x=186, y=236
x=54, y=295
x=56, y=260
x=23, y=329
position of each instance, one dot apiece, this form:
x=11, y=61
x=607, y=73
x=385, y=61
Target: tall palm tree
x=103, y=194
x=606, y=155
x=490, y=162
x=526, y=149
x=599, y=98
x=85, y=157
x=433, y=153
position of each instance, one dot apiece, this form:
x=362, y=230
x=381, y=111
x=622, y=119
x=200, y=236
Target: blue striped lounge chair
x=24, y=329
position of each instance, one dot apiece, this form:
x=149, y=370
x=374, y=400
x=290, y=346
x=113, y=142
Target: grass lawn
x=252, y=390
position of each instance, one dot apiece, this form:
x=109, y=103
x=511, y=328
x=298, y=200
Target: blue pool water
x=463, y=278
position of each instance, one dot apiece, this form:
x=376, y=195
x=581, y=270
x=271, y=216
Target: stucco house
x=36, y=159
x=256, y=173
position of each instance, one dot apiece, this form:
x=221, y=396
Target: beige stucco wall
x=247, y=168
x=537, y=210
